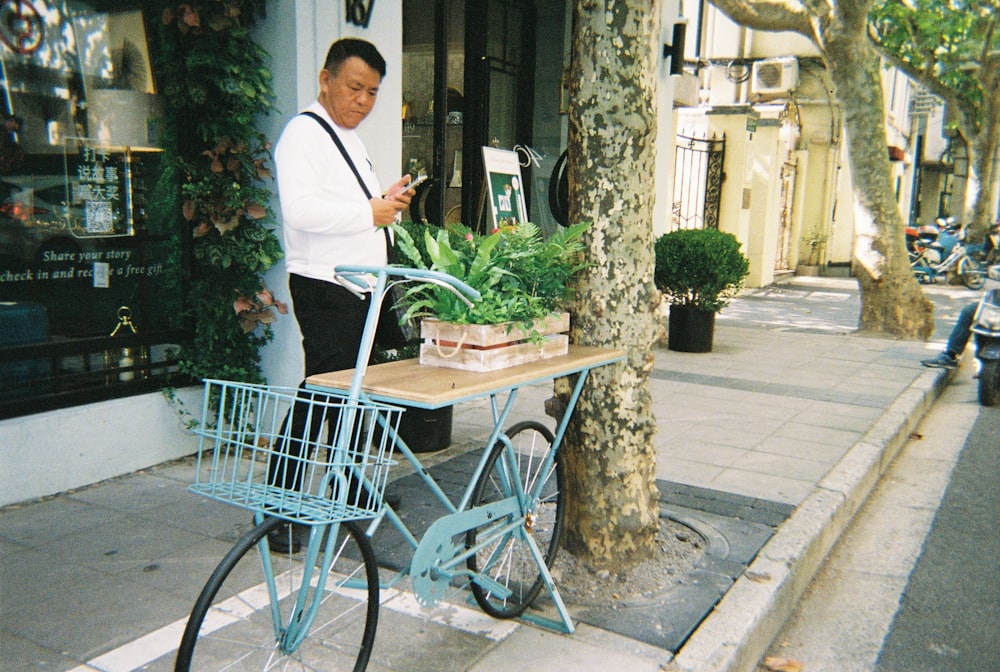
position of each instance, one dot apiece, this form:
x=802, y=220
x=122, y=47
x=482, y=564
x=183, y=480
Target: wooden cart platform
x=431, y=387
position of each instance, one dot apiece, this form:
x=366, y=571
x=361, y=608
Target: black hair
x=345, y=48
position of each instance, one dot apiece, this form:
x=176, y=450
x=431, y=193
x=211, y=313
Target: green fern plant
x=521, y=275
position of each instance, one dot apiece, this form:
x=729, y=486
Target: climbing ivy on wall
x=215, y=84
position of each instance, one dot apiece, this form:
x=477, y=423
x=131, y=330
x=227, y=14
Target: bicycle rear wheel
x=508, y=558
x=973, y=273
x=231, y=626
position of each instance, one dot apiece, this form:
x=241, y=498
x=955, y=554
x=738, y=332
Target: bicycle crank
x=441, y=554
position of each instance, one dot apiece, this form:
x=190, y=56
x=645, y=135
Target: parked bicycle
x=263, y=610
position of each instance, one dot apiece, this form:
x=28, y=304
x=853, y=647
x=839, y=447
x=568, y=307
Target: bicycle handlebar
x=353, y=274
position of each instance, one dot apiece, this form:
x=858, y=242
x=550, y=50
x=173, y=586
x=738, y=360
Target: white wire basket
x=304, y=456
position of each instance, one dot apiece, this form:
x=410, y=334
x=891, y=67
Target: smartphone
x=412, y=185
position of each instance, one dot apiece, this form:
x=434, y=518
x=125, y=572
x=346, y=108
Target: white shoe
x=994, y=272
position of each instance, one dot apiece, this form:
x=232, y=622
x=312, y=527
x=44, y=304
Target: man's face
x=349, y=95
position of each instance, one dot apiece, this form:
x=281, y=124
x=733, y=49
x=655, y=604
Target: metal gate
x=698, y=182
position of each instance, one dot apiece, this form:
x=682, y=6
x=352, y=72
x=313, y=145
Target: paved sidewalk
x=787, y=409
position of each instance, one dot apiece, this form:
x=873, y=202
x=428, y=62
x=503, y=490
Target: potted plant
x=523, y=279
x=699, y=271
x=816, y=238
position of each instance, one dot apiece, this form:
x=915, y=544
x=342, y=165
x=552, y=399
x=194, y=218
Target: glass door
x=469, y=68
x=499, y=91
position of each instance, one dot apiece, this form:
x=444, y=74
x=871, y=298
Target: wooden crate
x=488, y=347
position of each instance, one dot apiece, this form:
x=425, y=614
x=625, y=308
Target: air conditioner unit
x=774, y=76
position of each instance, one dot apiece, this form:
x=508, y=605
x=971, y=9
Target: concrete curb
x=737, y=633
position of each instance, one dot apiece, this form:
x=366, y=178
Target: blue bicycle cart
x=318, y=609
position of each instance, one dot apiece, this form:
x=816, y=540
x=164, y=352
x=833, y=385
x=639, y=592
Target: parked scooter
x=969, y=270
x=991, y=246
x=938, y=239
x=925, y=234
x=986, y=330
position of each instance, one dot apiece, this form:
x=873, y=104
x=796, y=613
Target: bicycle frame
x=301, y=618
x=462, y=518
x=291, y=632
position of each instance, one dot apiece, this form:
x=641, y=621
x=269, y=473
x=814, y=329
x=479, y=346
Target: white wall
x=46, y=453
x=664, y=167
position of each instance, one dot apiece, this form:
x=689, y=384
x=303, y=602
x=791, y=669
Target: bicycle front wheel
x=507, y=558
x=231, y=625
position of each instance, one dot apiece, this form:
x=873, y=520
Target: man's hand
x=386, y=209
x=400, y=190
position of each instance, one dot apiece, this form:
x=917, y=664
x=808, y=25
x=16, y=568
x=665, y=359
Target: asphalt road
x=913, y=585
x=949, y=618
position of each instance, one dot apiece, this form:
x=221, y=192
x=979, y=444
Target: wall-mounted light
x=675, y=50
x=955, y=158
x=947, y=159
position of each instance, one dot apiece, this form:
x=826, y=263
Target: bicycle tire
x=972, y=273
x=989, y=383
x=239, y=633
x=508, y=560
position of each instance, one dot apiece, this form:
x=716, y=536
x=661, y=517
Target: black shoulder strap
x=389, y=250
x=340, y=146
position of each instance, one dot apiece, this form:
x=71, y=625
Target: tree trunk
x=976, y=218
x=610, y=462
x=983, y=139
x=892, y=302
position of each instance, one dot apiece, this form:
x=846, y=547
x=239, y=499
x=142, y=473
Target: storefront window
x=79, y=257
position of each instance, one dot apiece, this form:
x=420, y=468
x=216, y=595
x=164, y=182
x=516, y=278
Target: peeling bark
x=613, y=511
x=983, y=139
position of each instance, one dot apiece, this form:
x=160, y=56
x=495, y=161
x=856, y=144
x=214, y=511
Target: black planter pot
x=424, y=430
x=690, y=329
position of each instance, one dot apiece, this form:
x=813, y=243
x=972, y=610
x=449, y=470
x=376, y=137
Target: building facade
x=81, y=104
x=787, y=191
x=750, y=140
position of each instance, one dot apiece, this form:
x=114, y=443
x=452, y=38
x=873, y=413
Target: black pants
x=332, y=321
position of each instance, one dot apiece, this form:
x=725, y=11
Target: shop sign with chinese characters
x=97, y=188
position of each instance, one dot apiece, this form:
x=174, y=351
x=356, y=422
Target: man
x=960, y=333
x=328, y=219
x=333, y=214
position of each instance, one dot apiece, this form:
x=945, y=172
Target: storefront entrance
x=481, y=73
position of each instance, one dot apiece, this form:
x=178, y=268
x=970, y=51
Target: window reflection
x=78, y=111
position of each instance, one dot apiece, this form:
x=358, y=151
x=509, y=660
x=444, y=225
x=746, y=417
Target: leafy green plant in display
x=521, y=275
